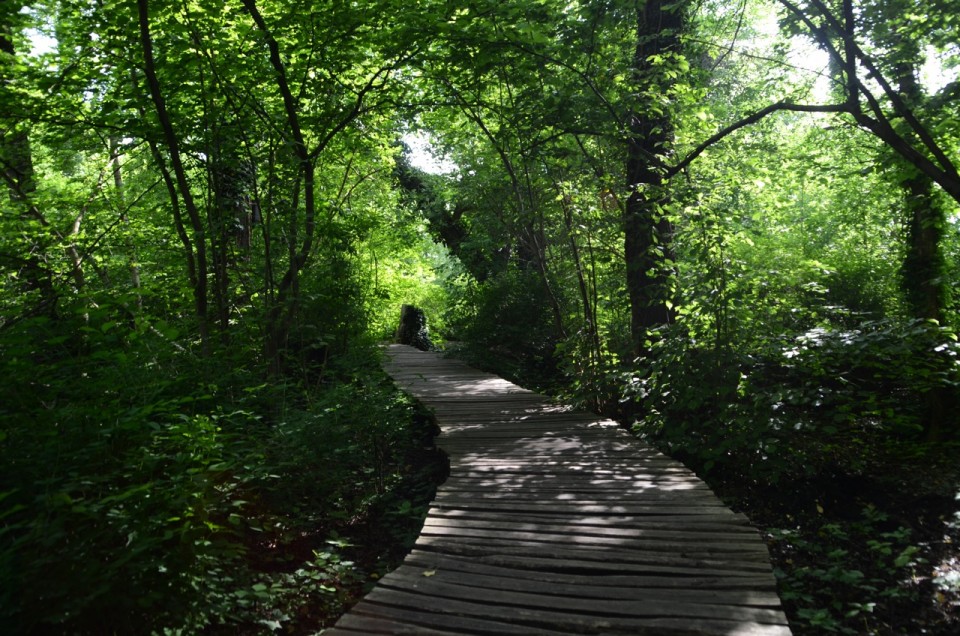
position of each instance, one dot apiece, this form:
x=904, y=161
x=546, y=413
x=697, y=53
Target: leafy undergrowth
x=868, y=553
x=817, y=437
x=145, y=490
x=308, y=571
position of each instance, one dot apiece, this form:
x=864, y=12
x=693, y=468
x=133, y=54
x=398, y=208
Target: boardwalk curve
x=559, y=522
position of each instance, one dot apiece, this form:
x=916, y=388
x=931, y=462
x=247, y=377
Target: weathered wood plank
x=686, y=563
x=555, y=521
x=623, y=487
x=434, y=561
x=581, y=508
x=357, y=623
x=591, y=588
x=455, y=624
x=633, y=524
x=679, y=606
x=583, y=623
x=532, y=492
x=662, y=541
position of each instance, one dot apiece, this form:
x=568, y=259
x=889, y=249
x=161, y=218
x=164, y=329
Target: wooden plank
x=600, y=580
x=629, y=523
x=456, y=624
x=583, y=559
x=662, y=540
x=463, y=466
x=581, y=508
x=558, y=447
x=635, y=463
x=586, y=495
x=678, y=606
x=624, y=486
x=711, y=543
x=555, y=521
x=590, y=588
x=493, y=473
x=576, y=622
x=357, y=623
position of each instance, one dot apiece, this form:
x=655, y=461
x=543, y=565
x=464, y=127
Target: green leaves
x=830, y=583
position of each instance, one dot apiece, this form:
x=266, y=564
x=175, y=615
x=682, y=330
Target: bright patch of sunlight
x=40, y=43
x=424, y=156
x=809, y=62
x=934, y=74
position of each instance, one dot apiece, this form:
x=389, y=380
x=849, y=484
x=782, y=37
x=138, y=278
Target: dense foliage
x=733, y=226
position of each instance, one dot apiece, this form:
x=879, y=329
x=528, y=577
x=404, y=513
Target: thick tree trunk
x=924, y=280
x=646, y=224
x=923, y=276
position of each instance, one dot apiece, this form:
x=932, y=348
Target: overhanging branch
x=752, y=119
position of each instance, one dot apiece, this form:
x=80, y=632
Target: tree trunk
x=923, y=274
x=646, y=224
x=199, y=250
x=132, y=258
x=923, y=277
x=16, y=164
x=285, y=306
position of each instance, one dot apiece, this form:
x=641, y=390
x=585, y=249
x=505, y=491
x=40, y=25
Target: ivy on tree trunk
x=646, y=223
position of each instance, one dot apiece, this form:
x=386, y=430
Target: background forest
x=731, y=225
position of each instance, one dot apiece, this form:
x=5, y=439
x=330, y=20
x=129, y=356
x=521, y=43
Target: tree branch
x=752, y=119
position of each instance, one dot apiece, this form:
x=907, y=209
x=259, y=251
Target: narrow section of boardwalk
x=558, y=522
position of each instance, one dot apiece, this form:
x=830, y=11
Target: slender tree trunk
x=591, y=331
x=535, y=243
x=531, y=242
x=283, y=311
x=221, y=214
x=132, y=258
x=199, y=252
x=589, y=315
x=646, y=224
x=76, y=261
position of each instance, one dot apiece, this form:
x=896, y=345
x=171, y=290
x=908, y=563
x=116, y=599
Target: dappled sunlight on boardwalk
x=555, y=521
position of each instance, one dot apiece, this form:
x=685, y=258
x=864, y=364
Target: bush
x=511, y=329
x=785, y=408
x=149, y=491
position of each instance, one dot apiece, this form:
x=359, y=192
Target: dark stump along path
x=556, y=521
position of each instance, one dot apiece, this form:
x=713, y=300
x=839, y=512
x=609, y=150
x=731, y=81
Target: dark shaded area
x=413, y=328
x=875, y=543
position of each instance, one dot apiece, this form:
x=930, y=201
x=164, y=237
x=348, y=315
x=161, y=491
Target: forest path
x=555, y=521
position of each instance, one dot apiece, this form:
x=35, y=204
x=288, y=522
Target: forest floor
x=871, y=551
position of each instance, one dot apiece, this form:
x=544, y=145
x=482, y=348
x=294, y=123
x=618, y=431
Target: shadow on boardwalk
x=559, y=522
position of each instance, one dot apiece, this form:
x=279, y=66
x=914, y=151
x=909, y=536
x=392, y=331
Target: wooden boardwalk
x=559, y=522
